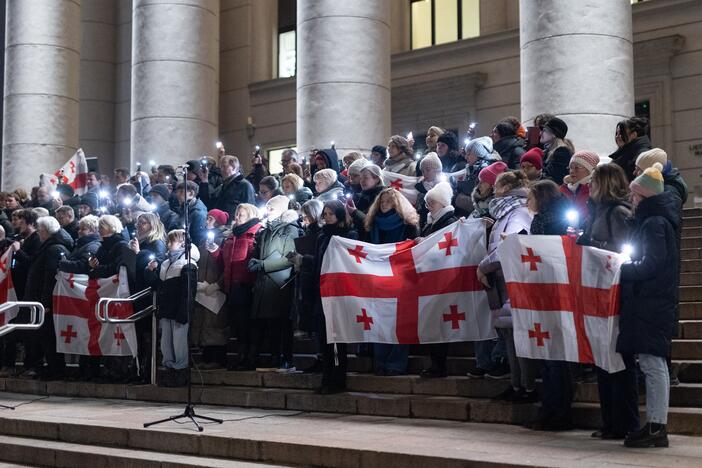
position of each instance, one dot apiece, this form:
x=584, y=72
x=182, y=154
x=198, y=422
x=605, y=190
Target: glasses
x=261, y=192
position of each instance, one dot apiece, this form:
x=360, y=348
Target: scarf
x=430, y=185
x=573, y=186
x=481, y=203
x=431, y=219
x=242, y=228
x=502, y=206
x=390, y=223
x=174, y=255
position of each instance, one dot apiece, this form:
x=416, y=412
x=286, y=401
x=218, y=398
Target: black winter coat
x=551, y=221
x=363, y=202
x=627, y=154
x=77, y=261
x=41, y=277
x=446, y=220
x=23, y=258
x=72, y=230
x=111, y=255
x=233, y=191
x=451, y=162
x=649, y=283
x=511, y=149
x=556, y=164
x=168, y=217
x=174, y=296
x=673, y=182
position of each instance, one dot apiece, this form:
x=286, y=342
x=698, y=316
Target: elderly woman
x=353, y=183
x=327, y=186
x=431, y=169
x=479, y=154
x=432, y=138
x=41, y=279
x=400, y=157
x=294, y=188
x=372, y=184
x=109, y=256
x=85, y=247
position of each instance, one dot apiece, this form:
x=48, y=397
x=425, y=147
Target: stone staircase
x=455, y=398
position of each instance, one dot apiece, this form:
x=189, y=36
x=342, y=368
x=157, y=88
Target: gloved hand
x=255, y=265
x=211, y=288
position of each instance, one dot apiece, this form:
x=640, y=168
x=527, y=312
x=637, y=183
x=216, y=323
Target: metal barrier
x=102, y=312
x=36, y=316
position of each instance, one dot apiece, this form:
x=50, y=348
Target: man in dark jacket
x=197, y=212
x=632, y=139
x=85, y=247
x=26, y=246
x=235, y=189
x=508, y=144
x=41, y=279
x=159, y=198
x=67, y=219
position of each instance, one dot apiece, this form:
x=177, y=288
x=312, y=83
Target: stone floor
x=288, y=437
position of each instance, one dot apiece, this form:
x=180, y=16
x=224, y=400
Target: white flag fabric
x=73, y=173
x=564, y=299
x=78, y=331
x=407, y=293
x=7, y=288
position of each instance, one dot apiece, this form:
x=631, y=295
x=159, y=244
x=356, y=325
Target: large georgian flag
x=73, y=173
x=7, y=288
x=564, y=299
x=405, y=184
x=407, y=293
x=78, y=331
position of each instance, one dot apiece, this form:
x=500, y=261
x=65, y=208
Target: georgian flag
x=564, y=299
x=7, y=288
x=78, y=331
x=405, y=184
x=407, y=293
x=73, y=173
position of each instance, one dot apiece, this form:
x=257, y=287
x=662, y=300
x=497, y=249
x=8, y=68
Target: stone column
x=42, y=69
x=577, y=63
x=343, y=74
x=175, y=67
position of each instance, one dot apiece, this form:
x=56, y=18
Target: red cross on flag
x=407, y=293
x=564, y=299
x=403, y=184
x=73, y=173
x=7, y=288
x=77, y=329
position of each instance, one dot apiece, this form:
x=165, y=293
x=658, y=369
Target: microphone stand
x=189, y=411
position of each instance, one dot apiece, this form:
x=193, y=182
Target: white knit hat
x=442, y=193
x=431, y=160
x=277, y=206
x=357, y=165
x=649, y=158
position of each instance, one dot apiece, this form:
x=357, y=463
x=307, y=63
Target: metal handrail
x=103, y=306
x=36, y=316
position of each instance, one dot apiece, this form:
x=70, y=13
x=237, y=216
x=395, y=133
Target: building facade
x=452, y=62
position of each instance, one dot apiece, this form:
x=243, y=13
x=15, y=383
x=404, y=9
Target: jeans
x=390, y=357
x=657, y=387
x=489, y=352
x=523, y=371
x=174, y=344
x=619, y=398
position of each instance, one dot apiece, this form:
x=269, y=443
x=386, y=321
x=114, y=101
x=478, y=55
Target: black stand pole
x=189, y=411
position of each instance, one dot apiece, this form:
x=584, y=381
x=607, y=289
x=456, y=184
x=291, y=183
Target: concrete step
x=690, y=293
x=691, y=311
x=690, y=212
x=691, y=279
x=691, y=266
x=691, y=242
x=692, y=231
x=690, y=329
x=687, y=349
x=692, y=221
x=689, y=254
x=322, y=439
x=29, y=451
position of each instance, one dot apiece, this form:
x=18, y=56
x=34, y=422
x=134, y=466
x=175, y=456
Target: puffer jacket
x=176, y=285
x=77, y=260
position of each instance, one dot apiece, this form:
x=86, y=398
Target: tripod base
x=189, y=413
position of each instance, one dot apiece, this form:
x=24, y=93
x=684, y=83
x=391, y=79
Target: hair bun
x=657, y=166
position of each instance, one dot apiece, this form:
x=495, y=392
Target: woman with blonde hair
x=294, y=188
x=432, y=138
x=391, y=219
x=400, y=157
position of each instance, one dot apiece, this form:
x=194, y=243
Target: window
x=643, y=109
x=287, y=38
x=274, y=155
x=435, y=22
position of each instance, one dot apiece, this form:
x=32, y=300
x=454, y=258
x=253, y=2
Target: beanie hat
x=65, y=189
x=588, y=159
x=489, y=174
x=484, y=141
x=357, y=165
x=221, y=217
x=650, y=182
x=442, y=193
x=557, y=126
x=278, y=205
x=381, y=150
x=90, y=199
x=535, y=157
x=430, y=160
x=376, y=171
x=449, y=138
x=161, y=190
x=193, y=165
x=649, y=158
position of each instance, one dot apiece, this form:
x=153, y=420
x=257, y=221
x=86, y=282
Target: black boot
x=650, y=435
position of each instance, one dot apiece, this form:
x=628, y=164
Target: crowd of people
x=260, y=238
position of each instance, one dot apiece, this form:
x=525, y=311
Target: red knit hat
x=489, y=174
x=221, y=217
x=587, y=159
x=535, y=157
